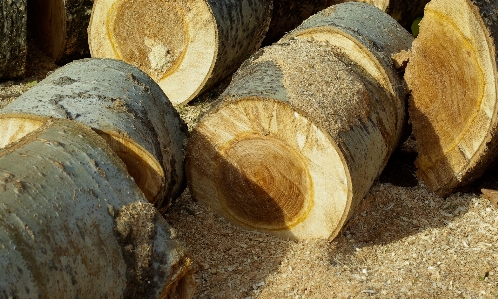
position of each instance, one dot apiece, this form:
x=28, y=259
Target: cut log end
x=451, y=76
x=161, y=50
x=182, y=284
x=141, y=165
x=260, y=177
x=15, y=128
x=166, y=40
x=266, y=166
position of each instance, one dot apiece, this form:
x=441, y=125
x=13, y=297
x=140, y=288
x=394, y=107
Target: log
x=452, y=73
x=122, y=104
x=301, y=133
x=59, y=28
x=185, y=46
x=13, y=41
x=74, y=224
x=353, y=28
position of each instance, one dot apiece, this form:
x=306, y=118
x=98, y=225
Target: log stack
x=75, y=224
x=452, y=72
x=305, y=127
x=123, y=105
x=185, y=46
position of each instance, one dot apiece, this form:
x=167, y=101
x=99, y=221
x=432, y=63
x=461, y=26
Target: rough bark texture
x=242, y=25
x=60, y=27
x=185, y=46
x=308, y=119
x=74, y=224
x=127, y=108
x=13, y=42
x=452, y=72
x=368, y=37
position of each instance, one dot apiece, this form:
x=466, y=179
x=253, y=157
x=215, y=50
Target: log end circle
x=449, y=86
x=264, y=166
x=264, y=183
x=141, y=165
x=151, y=35
x=16, y=127
x=451, y=73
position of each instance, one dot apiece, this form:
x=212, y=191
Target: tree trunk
x=13, y=42
x=60, y=27
x=301, y=133
x=74, y=224
x=452, y=72
x=185, y=46
x=125, y=107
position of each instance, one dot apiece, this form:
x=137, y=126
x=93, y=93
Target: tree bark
x=301, y=133
x=125, y=107
x=452, y=72
x=185, y=46
x=13, y=42
x=60, y=27
x=74, y=223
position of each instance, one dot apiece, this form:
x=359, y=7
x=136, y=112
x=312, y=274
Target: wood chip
x=491, y=195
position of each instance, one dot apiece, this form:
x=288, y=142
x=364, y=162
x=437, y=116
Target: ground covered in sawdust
x=403, y=242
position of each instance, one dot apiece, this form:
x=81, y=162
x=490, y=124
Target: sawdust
x=403, y=242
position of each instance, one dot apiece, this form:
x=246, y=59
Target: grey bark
x=113, y=96
x=242, y=26
x=70, y=218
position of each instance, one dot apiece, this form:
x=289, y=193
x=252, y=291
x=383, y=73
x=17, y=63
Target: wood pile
x=81, y=153
x=94, y=154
